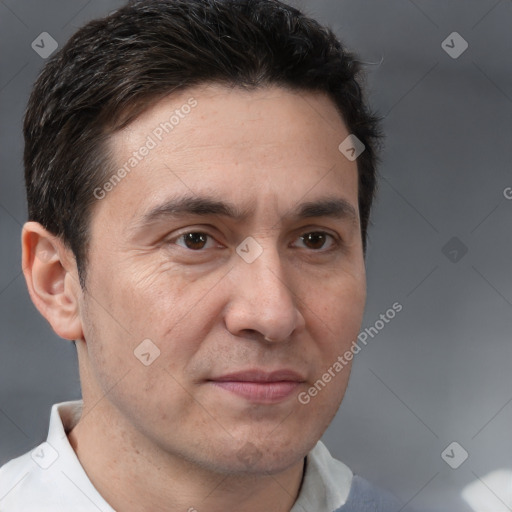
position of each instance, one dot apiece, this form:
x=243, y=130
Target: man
x=199, y=178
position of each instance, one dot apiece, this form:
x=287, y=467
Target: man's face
x=206, y=296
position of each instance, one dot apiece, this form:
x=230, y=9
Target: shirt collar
x=63, y=417
x=326, y=484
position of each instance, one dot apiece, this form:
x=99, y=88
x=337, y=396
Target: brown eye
x=194, y=240
x=315, y=240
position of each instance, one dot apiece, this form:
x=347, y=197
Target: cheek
x=337, y=309
x=137, y=389
x=148, y=298
x=347, y=308
x=173, y=309
x=335, y=319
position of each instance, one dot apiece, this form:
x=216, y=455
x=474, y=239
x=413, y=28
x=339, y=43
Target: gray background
x=440, y=370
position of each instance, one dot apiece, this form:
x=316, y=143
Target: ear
x=52, y=280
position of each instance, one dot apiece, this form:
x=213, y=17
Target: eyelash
x=335, y=242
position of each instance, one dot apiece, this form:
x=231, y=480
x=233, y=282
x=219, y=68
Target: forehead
x=269, y=143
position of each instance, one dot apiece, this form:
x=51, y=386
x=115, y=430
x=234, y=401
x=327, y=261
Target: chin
x=263, y=456
x=253, y=459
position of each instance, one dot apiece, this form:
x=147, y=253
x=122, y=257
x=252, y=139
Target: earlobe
x=52, y=279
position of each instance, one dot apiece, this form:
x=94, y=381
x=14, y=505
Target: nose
x=262, y=301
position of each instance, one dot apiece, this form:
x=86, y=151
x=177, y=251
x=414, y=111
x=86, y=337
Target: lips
x=260, y=386
x=261, y=376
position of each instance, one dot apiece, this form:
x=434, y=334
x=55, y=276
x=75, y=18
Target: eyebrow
x=333, y=207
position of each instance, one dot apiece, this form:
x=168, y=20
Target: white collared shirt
x=50, y=477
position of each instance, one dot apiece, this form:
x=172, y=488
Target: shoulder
x=17, y=477
x=50, y=478
x=366, y=497
x=44, y=480
x=330, y=486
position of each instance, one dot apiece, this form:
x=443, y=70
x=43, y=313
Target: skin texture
x=162, y=437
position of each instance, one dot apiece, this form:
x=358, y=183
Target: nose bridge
x=265, y=272
x=266, y=300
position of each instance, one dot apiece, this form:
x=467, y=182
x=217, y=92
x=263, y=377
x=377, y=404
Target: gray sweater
x=364, y=497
